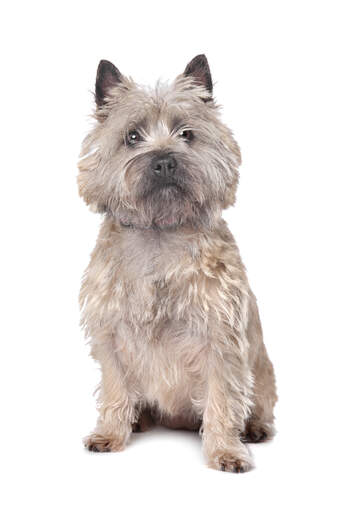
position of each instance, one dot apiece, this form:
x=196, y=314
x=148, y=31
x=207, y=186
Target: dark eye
x=186, y=135
x=133, y=137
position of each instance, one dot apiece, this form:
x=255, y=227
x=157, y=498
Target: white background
x=277, y=71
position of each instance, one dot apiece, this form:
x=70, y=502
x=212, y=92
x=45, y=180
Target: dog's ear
x=199, y=70
x=108, y=76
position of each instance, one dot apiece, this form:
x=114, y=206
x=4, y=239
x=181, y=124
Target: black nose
x=164, y=166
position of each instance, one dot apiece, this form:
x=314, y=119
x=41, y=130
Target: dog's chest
x=159, y=303
x=161, y=281
x=161, y=334
x=160, y=286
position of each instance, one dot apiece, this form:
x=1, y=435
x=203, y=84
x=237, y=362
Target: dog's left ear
x=199, y=70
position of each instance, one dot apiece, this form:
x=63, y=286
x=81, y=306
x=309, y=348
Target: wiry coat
x=166, y=301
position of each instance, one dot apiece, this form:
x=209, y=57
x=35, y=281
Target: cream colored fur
x=169, y=310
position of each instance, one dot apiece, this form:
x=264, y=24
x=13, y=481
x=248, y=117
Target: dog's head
x=158, y=157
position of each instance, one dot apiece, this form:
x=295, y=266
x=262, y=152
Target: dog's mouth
x=170, y=184
x=166, y=189
x=172, y=189
x=167, y=222
x=165, y=183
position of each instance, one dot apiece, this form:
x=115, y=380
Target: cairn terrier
x=165, y=299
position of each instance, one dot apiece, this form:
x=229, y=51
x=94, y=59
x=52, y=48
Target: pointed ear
x=199, y=70
x=108, y=76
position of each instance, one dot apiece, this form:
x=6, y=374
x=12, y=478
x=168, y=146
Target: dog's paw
x=255, y=433
x=231, y=462
x=234, y=465
x=96, y=442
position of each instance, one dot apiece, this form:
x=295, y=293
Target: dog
x=165, y=299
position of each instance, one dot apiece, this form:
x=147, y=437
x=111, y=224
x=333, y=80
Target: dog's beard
x=162, y=203
x=160, y=206
x=167, y=205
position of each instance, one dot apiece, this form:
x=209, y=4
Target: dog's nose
x=164, y=166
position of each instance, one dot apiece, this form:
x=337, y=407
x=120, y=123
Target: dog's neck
x=131, y=220
x=129, y=224
x=168, y=225
x=135, y=223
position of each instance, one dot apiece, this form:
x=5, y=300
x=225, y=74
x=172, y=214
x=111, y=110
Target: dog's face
x=158, y=157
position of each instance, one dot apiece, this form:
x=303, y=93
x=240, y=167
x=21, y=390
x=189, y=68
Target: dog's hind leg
x=260, y=424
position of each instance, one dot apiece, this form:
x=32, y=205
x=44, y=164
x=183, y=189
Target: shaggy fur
x=165, y=299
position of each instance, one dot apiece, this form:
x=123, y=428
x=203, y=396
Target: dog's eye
x=133, y=137
x=186, y=135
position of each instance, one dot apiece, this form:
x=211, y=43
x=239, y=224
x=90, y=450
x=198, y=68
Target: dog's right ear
x=108, y=76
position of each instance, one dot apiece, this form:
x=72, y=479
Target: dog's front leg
x=227, y=407
x=116, y=412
